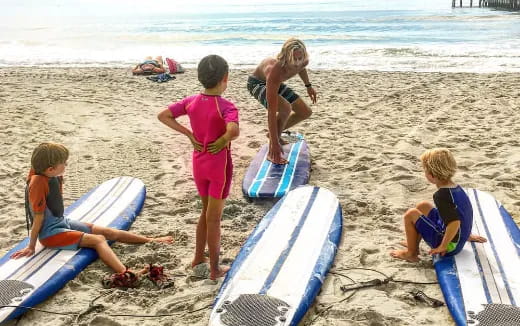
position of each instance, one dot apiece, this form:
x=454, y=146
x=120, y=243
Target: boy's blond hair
x=286, y=55
x=440, y=163
x=48, y=155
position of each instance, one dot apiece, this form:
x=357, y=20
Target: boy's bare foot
x=222, y=270
x=166, y=239
x=195, y=263
x=476, y=238
x=404, y=255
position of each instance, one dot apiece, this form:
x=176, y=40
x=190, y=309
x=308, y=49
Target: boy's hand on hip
x=196, y=145
x=26, y=252
x=217, y=145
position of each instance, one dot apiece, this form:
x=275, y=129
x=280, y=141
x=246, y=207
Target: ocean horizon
x=350, y=35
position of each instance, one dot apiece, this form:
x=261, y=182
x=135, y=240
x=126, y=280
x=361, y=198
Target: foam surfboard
x=263, y=179
x=481, y=284
x=282, y=265
x=30, y=280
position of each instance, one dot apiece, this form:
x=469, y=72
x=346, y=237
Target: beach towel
x=174, y=67
x=161, y=78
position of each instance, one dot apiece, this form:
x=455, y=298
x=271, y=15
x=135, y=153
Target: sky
x=57, y=8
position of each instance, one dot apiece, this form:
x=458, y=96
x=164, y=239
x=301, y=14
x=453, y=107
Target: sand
x=365, y=135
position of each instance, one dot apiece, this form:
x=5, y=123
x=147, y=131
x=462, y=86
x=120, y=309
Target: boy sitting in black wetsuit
x=446, y=226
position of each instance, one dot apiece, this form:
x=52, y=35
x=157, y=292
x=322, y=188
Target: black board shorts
x=257, y=88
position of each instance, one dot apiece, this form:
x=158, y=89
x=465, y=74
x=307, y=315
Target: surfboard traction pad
x=253, y=310
x=496, y=314
x=12, y=291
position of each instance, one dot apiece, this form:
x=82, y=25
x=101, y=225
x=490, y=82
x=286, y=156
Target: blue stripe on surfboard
x=249, y=246
x=260, y=177
x=322, y=266
x=512, y=228
x=288, y=172
x=283, y=255
x=497, y=258
x=7, y=256
x=83, y=258
x=485, y=285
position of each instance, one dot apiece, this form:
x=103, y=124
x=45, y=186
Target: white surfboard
x=481, y=284
x=30, y=280
x=282, y=265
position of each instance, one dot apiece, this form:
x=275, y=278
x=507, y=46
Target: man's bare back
x=267, y=65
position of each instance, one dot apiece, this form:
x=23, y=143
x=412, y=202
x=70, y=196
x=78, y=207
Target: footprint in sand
x=254, y=144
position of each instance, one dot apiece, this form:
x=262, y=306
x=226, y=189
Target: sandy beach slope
x=365, y=135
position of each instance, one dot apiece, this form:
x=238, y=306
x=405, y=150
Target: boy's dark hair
x=48, y=155
x=211, y=70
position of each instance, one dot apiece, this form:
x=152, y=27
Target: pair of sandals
x=129, y=279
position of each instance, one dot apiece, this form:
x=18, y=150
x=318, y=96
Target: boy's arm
x=31, y=247
x=167, y=118
x=232, y=132
x=451, y=230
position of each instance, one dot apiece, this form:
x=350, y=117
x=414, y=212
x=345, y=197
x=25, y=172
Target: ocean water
x=393, y=35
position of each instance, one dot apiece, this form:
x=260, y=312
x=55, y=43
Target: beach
x=365, y=135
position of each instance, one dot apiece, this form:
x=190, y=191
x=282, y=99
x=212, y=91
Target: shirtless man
x=284, y=107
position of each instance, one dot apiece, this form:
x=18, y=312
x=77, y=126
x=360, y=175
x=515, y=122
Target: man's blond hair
x=48, y=155
x=286, y=55
x=440, y=163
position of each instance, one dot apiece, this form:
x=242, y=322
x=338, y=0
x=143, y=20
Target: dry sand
x=365, y=135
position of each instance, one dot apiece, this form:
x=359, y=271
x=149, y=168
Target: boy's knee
x=412, y=214
x=424, y=207
x=99, y=239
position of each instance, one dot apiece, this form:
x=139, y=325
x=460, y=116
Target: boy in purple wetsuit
x=214, y=124
x=446, y=226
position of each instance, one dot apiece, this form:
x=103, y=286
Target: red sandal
x=127, y=279
x=157, y=276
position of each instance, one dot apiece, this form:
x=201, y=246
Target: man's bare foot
x=166, y=239
x=404, y=255
x=222, y=270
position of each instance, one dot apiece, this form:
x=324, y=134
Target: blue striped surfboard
x=264, y=179
x=281, y=267
x=30, y=280
x=481, y=284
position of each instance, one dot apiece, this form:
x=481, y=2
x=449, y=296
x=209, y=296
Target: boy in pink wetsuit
x=214, y=124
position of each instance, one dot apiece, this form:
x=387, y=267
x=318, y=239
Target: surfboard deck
x=30, y=280
x=263, y=179
x=481, y=284
x=282, y=265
